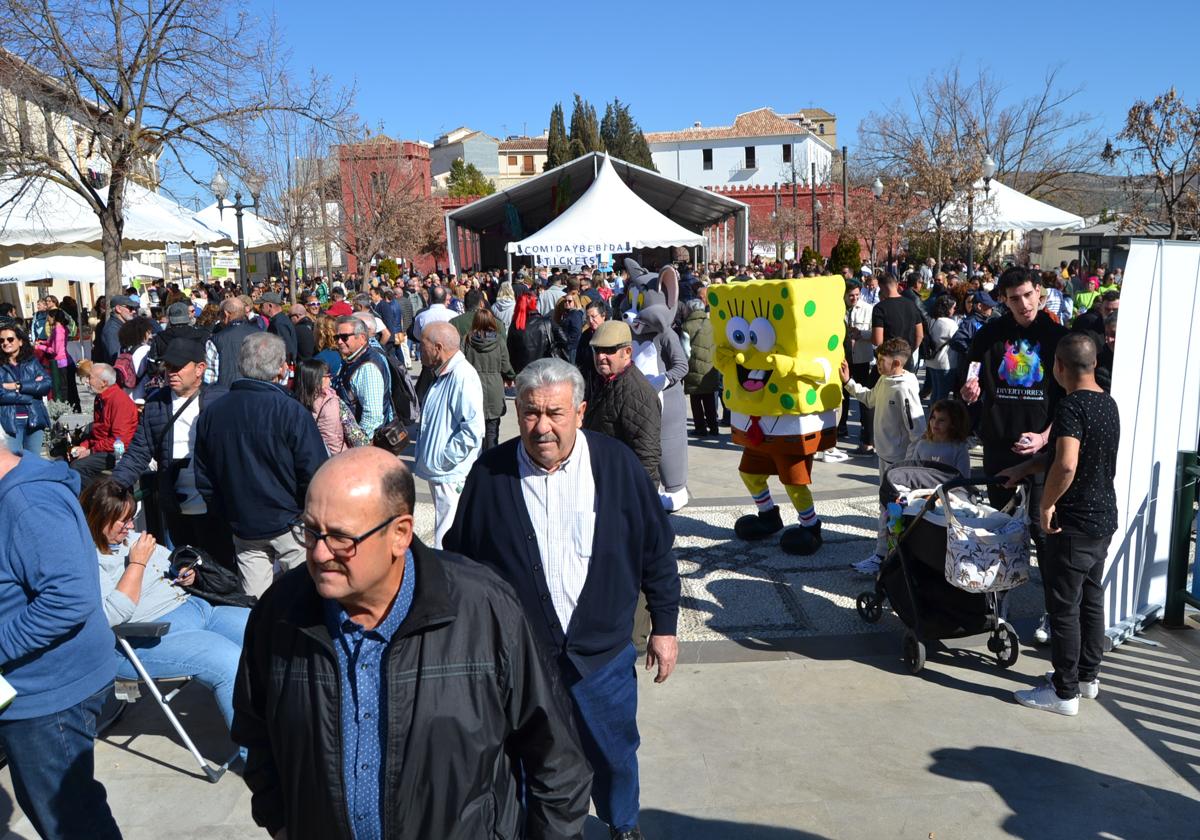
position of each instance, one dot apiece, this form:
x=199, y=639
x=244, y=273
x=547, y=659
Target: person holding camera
x=138, y=584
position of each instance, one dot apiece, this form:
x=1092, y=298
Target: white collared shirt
x=562, y=511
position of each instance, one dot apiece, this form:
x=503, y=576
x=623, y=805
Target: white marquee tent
x=73, y=265
x=1000, y=208
x=46, y=213
x=609, y=218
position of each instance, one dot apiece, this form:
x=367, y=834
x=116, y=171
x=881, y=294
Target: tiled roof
x=812, y=114
x=760, y=123
x=524, y=144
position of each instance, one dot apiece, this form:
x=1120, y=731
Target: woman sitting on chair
x=204, y=642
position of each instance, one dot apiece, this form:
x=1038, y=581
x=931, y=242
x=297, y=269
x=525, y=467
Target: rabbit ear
x=668, y=283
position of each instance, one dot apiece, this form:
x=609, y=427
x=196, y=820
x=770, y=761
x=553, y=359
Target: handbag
x=214, y=583
x=987, y=550
x=391, y=436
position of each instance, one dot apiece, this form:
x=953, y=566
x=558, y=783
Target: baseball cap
x=982, y=297
x=271, y=297
x=179, y=313
x=122, y=300
x=612, y=334
x=181, y=351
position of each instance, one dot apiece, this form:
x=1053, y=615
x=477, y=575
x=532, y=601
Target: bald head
x=368, y=477
x=358, y=527
x=233, y=309
x=442, y=333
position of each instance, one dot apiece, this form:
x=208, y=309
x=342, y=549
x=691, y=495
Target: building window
x=820, y=128
x=512, y=160
x=527, y=165
x=750, y=162
x=707, y=158
x=787, y=152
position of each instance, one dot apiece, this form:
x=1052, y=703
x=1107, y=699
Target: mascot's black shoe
x=757, y=526
x=801, y=540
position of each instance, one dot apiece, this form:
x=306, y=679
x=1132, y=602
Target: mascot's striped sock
x=802, y=498
x=757, y=485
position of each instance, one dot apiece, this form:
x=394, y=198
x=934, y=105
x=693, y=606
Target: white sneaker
x=673, y=501
x=1087, y=690
x=1045, y=698
x=1042, y=634
x=835, y=456
x=868, y=567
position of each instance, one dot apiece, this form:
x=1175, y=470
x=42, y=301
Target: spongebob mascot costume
x=779, y=348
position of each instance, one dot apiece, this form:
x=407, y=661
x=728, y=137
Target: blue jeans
x=941, y=382
x=52, y=763
x=606, y=717
x=204, y=642
x=26, y=439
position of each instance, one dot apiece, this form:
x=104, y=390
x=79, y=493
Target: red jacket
x=115, y=416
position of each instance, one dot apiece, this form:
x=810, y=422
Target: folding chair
x=129, y=691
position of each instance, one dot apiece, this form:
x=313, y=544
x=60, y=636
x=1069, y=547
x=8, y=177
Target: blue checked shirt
x=212, y=363
x=360, y=656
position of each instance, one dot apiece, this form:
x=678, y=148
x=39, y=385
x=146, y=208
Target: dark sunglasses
x=344, y=336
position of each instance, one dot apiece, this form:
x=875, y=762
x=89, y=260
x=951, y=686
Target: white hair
x=546, y=373
x=106, y=373
x=261, y=356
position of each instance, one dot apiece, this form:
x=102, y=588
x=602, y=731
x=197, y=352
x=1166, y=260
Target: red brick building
x=370, y=170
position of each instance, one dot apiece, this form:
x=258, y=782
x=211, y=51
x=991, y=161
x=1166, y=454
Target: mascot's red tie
x=754, y=433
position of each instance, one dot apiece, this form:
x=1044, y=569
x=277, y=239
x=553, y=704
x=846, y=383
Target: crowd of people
x=262, y=428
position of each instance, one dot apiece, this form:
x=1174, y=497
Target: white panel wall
x=684, y=161
x=1156, y=383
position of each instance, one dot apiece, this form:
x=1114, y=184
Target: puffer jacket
x=701, y=377
x=35, y=384
x=488, y=354
x=469, y=697
x=541, y=339
x=627, y=408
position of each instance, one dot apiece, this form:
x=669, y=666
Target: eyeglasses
x=340, y=545
x=8, y=339
x=344, y=336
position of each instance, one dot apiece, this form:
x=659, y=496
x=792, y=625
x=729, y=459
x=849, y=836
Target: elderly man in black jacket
x=621, y=403
x=392, y=691
x=167, y=434
x=571, y=521
x=256, y=451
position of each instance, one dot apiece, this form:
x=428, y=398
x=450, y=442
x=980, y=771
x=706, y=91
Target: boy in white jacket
x=899, y=422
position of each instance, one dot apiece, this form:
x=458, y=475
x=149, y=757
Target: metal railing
x=1179, y=597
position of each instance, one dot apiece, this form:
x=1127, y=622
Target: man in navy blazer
x=572, y=522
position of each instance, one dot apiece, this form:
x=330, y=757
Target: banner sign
x=173, y=249
x=573, y=250
x=224, y=262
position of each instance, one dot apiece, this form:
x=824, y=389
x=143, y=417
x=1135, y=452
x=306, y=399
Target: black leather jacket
x=468, y=697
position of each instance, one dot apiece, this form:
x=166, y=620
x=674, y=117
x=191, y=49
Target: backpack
x=405, y=404
x=126, y=374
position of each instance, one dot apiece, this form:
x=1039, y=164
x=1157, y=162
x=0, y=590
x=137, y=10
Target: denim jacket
x=35, y=384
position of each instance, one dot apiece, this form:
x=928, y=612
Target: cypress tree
x=557, y=151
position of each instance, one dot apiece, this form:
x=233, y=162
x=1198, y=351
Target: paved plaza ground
x=789, y=718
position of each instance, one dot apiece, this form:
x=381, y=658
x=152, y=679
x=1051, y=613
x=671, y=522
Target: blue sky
x=423, y=68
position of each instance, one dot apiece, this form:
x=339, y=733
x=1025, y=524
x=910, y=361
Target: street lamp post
x=989, y=169
x=812, y=186
x=877, y=191
x=817, y=208
x=254, y=183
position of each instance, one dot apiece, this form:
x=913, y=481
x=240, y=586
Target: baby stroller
x=953, y=562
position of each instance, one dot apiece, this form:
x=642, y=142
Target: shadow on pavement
x=1052, y=798
x=664, y=825
x=1152, y=686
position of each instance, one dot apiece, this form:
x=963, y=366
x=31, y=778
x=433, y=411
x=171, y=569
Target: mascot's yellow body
x=779, y=348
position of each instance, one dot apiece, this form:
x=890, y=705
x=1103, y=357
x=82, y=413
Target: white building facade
x=760, y=149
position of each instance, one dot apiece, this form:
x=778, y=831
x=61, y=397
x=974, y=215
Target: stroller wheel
x=914, y=653
x=870, y=608
x=1004, y=643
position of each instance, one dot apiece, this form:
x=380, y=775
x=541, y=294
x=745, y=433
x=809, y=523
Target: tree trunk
x=939, y=246
x=112, y=227
x=292, y=273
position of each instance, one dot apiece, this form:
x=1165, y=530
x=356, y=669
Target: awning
x=73, y=265
x=1000, y=208
x=42, y=212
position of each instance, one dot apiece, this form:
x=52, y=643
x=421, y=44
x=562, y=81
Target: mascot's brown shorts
x=790, y=457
